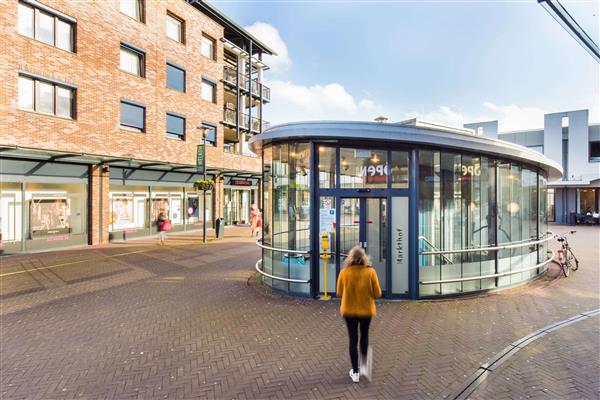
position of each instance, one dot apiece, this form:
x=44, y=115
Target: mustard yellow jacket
x=358, y=287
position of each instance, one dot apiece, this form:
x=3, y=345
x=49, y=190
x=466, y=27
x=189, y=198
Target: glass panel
x=208, y=91
x=45, y=100
x=64, y=35
x=133, y=8
x=267, y=196
x=175, y=78
x=488, y=220
x=363, y=168
x=516, y=221
x=26, y=20
x=349, y=224
x=587, y=201
x=208, y=47
x=451, y=172
x=504, y=219
x=327, y=167
x=376, y=237
x=45, y=27
x=132, y=116
x=130, y=61
x=399, y=243
x=429, y=220
x=399, y=169
x=26, y=93
x=175, y=125
x=64, y=102
x=174, y=28
x=56, y=209
x=11, y=203
x=550, y=205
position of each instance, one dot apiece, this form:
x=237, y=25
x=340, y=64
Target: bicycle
x=566, y=255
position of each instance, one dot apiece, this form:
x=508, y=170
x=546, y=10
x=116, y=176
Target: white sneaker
x=354, y=375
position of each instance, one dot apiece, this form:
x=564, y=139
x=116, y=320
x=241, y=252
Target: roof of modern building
x=411, y=132
x=232, y=28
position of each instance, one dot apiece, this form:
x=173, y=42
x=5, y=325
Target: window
x=175, y=28
x=46, y=96
x=595, y=151
x=175, y=77
x=211, y=134
x=208, y=47
x=209, y=91
x=175, y=126
x=133, y=9
x=46, y=26
x=551, y=207
x=133, y=115
x=132, y=60
x=539, y=149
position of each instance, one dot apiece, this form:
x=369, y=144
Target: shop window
x=207, y=48
x=133, y=115
x=209, y=90
x=175, y=77
x=127, y=211
x=399, y=169
x=211, y=134
x=46, y=96
x=361, y=168
x=46, y=26
x=132, y=60
x=11, y=204
x=133, y=9
x=175, y=28
x=175, y=126
x=587, y=201
x=595, y=151
x=327, y=173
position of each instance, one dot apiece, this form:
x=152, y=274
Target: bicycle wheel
x=574, y=266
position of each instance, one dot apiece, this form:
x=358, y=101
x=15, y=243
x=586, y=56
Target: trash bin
x=220, y=228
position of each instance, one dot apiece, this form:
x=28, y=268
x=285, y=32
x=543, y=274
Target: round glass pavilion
x=439, y=210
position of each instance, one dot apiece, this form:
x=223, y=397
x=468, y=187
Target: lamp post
x=204, y=133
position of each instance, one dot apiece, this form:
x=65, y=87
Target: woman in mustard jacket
x=358, y=287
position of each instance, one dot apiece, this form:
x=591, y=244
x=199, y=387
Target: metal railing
x=423, y=238
x=278, y=278
x=549, y=235
x=284, y=251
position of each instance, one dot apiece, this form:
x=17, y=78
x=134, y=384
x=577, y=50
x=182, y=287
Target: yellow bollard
x=325, y=257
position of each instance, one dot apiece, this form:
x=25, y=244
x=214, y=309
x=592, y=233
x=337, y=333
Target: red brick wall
x=94, y=69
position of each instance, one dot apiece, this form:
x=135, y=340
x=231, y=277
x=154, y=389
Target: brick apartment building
x=102, y=108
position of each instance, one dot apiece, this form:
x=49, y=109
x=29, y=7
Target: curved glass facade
x=399, y=202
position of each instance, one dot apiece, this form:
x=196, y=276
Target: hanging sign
x=200, y=158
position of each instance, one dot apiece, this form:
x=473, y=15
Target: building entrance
x=363, y=222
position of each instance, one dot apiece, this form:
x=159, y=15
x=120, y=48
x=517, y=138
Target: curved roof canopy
x=411, y=132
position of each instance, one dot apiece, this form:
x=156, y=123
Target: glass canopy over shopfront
x=434, y=207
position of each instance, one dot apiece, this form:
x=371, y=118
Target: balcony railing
x=231, y=77
x=229, y=117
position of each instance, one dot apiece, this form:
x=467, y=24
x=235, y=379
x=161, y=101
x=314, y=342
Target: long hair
x=357, y=256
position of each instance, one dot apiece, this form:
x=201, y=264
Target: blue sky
x=444, y=61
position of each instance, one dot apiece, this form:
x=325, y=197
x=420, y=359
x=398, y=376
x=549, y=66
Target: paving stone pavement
x=140, y=321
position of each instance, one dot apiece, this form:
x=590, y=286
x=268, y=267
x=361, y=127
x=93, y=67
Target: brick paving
x=185, y=321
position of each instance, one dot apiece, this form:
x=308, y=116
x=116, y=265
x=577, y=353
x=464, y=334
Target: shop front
x=437, y=209
x=240, y=193
x=43, y=205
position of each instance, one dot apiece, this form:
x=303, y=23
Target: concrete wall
x=488, y=128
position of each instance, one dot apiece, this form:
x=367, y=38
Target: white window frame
x=176, y=20
x=213, y=46
x=56, y=17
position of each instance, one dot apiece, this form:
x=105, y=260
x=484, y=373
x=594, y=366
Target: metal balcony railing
x=231, y=76
x=266, y=92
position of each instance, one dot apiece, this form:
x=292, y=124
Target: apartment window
x=175, y=28
x=209, y=91
x=595, y=151
x=46, y=96
x=211, y=134
x=133, y=9
x=46, y=26
x=175, y=126
x=132, y=60
x=207, y=48
x=133, y=115
x=175, y=77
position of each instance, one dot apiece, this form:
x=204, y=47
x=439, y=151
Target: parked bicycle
x=566, y=258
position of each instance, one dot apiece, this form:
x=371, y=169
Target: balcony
x=229, y=118
x=231, y=77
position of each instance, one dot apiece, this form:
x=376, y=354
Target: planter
x=203, y=185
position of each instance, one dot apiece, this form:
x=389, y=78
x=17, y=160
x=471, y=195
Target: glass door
x=363, y=222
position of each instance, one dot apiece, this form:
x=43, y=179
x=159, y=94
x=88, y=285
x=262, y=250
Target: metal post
x=204, y=191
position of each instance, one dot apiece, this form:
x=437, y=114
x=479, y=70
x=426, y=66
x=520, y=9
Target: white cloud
x=292, y=102
x=269, y=35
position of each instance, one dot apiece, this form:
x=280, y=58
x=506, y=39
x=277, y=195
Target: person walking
x=163, y=224
x=254, y=218
x=358, y=286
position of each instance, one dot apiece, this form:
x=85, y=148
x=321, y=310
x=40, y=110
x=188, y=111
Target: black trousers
x=353, y=324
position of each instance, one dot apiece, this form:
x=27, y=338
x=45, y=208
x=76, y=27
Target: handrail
x=476, y=278
x=493, y=248
x=278, y=277
x=423, y=238
x=285, y=251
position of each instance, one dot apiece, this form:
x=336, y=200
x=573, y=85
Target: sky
x=450, y=62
